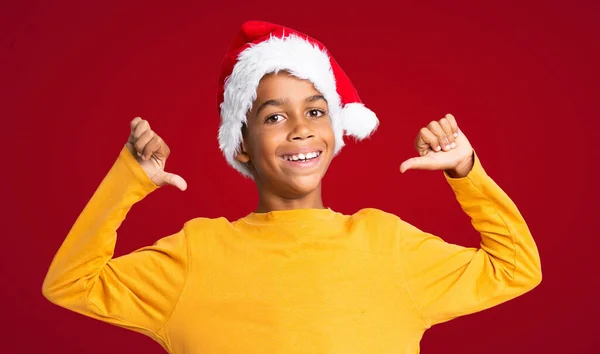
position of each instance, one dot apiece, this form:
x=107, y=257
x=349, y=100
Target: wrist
x=463, y=168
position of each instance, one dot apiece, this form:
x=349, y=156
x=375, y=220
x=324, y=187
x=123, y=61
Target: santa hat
x=260, y=48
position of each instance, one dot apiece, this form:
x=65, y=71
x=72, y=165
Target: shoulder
x=200, y=222
x=204, y=227
x=196, y=226
x=380, y=229
x=376, y=218
x=382, y=220
x=373, y=214
x=203, y=233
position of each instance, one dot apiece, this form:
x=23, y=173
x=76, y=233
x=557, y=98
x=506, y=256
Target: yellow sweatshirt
x=299, y=281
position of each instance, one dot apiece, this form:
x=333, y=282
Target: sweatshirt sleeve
x=447, y=280
x=137, y=291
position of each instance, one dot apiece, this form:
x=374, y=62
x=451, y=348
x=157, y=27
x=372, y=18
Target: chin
x=304, y=185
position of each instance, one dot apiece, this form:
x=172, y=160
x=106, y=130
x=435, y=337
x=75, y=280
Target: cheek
x=327, y=133
x=266, y=147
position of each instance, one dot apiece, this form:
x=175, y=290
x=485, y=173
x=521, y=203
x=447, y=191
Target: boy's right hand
x=151, y=152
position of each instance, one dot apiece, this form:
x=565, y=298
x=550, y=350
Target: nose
x=301, y=129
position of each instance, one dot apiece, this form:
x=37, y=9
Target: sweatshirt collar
x=289, y=216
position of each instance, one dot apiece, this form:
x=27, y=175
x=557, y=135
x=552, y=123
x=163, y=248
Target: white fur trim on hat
x=302, y=59
x=358, y=121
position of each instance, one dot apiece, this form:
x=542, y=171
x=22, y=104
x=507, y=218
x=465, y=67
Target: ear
x=242, y=154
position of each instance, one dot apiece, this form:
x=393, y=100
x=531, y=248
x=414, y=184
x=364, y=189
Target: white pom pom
x=358, y=120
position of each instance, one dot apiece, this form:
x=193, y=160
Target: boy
x=293, y=276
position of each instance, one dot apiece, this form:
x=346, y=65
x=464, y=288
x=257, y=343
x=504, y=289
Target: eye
x=275, y=118
x=315, y=113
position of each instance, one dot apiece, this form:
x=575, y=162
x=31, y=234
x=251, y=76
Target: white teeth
x=303, y=157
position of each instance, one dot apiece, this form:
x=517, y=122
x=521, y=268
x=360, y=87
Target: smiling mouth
x=302, y=157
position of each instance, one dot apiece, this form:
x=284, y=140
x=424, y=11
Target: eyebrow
x=280, y=102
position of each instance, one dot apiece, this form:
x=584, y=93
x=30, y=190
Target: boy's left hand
x=442, y=146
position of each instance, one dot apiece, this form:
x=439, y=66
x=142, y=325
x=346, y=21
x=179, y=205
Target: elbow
x=62, y=291
x=535, y=271
x=47, y=291
x=532, y=279
x=48, y=295
x=536, y=279
x=52, y=289
x=524, y=278
x=529, y=269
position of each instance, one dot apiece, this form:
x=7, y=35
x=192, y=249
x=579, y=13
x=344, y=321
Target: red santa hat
x=260, y=48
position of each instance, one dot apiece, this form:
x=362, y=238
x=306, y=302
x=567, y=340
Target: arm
x=137, y=291
x=446, y=280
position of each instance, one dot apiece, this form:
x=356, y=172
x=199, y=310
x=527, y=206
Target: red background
x=521, y=79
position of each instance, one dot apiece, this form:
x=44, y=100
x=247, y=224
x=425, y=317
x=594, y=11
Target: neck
x=272, y=202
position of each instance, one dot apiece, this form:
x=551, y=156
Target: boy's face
x=288, y=142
